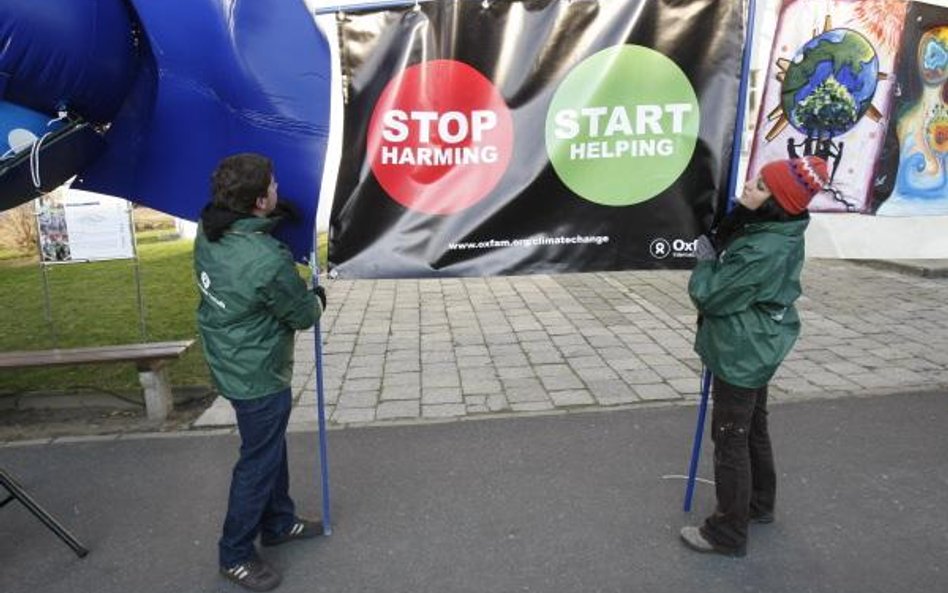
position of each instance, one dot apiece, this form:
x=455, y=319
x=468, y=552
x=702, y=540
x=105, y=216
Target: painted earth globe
x=830, y=83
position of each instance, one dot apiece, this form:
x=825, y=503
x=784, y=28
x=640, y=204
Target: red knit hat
x=794, y=182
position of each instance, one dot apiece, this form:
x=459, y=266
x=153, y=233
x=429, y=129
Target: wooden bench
x=150, y=359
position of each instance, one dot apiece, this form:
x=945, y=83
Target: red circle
x=440, y=137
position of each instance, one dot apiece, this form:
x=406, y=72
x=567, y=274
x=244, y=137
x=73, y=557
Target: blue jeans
x=259, y=489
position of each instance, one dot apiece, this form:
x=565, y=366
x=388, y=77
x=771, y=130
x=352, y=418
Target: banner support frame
x=320, y=399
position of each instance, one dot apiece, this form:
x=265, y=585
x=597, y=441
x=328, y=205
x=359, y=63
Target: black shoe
x=301, y=529
x=254, y=574
x=697, y=542
x=762, y=518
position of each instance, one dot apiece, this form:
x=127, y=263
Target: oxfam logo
x=622, y=126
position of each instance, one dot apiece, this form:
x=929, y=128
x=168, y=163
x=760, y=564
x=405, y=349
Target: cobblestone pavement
x=420, y=350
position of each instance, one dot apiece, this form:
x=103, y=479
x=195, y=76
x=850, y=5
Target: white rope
x=35, y=163
x=680, y=477
x=35, y=153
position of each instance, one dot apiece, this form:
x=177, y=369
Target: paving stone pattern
x=419, y=350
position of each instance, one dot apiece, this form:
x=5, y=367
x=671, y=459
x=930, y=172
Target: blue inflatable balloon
x=76, y=55
x=76, y=58
x=192, y=81
x=20, y=128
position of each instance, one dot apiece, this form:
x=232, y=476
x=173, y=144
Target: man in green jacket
x=745, y=292
x=252, y=303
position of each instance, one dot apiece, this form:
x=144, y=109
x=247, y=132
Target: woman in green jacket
x=744, y=286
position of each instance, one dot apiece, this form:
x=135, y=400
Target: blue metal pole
x=699, y=434
x=367, y=5
x=731, y=188
x=321, y=406
x=741, y=102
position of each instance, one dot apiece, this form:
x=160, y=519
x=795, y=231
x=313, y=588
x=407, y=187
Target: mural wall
x=915, y=172
x=862, y=84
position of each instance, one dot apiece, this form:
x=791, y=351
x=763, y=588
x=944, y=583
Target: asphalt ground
x=553, y=504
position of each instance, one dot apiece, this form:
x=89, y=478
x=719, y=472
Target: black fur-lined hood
x=215, y=220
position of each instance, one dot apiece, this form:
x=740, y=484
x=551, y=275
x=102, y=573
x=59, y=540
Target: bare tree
x=18, y=229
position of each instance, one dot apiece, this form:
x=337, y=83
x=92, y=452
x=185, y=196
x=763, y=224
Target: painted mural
x=913, y=178
x=829, y=91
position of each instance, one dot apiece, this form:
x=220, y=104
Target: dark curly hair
x=239, y=180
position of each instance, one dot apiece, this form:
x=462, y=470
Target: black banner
x=541, y=136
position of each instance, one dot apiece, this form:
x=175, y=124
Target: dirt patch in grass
x=45, y=423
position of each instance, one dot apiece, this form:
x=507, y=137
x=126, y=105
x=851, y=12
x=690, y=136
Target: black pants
x=744, y=478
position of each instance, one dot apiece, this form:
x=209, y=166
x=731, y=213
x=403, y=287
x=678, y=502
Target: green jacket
x=252, y=302
x=745, y=299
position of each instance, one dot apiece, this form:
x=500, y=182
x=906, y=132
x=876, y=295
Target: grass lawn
x=95, y=304
x=9, y=254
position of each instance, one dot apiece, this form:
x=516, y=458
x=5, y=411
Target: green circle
x=622, y=126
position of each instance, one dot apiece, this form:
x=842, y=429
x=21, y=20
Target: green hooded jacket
x=252, y=302
x=745, y=298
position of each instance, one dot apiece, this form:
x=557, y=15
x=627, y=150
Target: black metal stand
x=16, y=492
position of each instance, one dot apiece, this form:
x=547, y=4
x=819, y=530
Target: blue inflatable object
x=209, y=78
x=76, y=55
x=21, y=127
x=38, y=153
